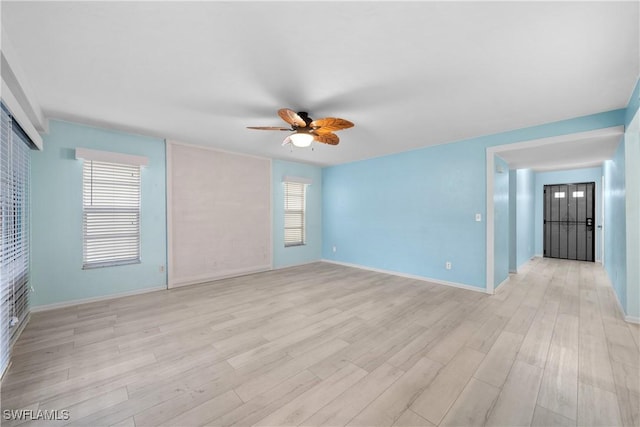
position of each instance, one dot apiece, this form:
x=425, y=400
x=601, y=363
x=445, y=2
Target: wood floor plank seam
x=471, y=378
x=324, y=344
x=620, y=402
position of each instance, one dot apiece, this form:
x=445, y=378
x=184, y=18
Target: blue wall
x=56, y=231
x=615, y=223
x=411, y=212
x=632, y=212
x=567, y=177
x=622, y=213
x=312, y=250
x=525, y=216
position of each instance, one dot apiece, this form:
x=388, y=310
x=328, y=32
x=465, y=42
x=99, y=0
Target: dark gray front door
x=569, y=215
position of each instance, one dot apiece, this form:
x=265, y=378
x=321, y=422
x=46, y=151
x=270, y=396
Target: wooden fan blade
x=330, y=124
x=291, y=117
x=327, y=138
x=269, y=128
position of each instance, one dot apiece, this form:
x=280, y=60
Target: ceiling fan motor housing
x=305, y=116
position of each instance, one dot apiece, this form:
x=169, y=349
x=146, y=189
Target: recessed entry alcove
x=560, y=153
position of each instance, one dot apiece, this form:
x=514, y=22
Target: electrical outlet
x=447, y=265
x=334, y=249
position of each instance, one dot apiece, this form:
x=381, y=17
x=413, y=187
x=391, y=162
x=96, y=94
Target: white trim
x=598, y=133
x=21, y=117
x=490, y=226
x=220, y=150
x=271, y=216
x=300, y=264
x=16, y=79
x=110, y=157
x=408, y=276
x=602, y=218
x=504, y=282
x=72, y=303
x=169, y=211
x=196, y=280
x=166, y=215
x=632, y=319
x=297, y=179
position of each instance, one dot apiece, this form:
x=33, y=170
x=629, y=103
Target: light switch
x=478, y=217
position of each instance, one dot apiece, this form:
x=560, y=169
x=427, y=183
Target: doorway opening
x=569, y=231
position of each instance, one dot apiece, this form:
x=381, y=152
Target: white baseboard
x=597, y=261
x=502, y=283
x=408, y=276
x=299, y=264
x=71, y=303
x=197, y=280
x=632, y=319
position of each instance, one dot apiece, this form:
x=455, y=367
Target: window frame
x=295, y=189
x=111, y=208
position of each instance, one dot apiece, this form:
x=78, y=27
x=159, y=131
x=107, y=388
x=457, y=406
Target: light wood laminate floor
x=326, y=345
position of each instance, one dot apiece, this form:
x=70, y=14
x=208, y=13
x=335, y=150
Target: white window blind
x=111, y=213
x=294, y=213
x=14, y=230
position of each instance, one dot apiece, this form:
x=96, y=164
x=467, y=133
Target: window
x=559, y=194
x=578, y=194
x=110, y=213
x=294, y=213
x=15, y=164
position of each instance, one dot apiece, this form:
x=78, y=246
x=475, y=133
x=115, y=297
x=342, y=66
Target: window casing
x=110, y=214
x=15, y=164
x=294, y=213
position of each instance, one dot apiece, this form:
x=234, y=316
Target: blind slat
x=14, y=232
x=111, y=213
x=294, y=213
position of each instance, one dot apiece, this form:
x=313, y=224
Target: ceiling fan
x=306, y=130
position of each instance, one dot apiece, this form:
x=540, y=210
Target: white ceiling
x=408, y=74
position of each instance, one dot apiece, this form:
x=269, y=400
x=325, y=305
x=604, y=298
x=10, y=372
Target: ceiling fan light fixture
x=301, y=139
x=306, y=130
